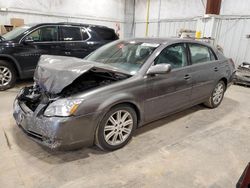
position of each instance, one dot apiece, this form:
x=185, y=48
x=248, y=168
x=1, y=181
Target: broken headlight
x=63, y=107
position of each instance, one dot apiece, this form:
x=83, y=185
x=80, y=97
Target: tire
x=7, y=75
x=217, y=95
x=110, y=134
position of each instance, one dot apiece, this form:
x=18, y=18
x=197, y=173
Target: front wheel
x=7, y=75
x=216, y=96
x=116, y=128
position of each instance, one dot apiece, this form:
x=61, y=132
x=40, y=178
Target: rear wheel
x=216, y=96
x=7, y=75
x=116, y=128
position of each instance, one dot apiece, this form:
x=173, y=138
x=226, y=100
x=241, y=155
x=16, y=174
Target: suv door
x=74, y=41
x=167, y=93
x=204, y=71
x=43, y=40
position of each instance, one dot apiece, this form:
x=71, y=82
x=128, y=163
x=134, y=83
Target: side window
x=71, y=34
x=199, y=53
x=174, y=55
x=105, y=33
x=44, y=34
x=85, y=34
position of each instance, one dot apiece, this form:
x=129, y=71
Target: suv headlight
x=63, y=107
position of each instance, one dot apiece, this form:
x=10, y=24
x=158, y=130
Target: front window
x=15, y=32
x=175, y=55
x=44, y=34
x=128, y=56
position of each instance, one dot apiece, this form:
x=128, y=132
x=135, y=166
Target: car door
x=204, y=70
x=74, y=41
x=167, y=93
x=43, y=40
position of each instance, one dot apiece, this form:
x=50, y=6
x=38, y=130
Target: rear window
x=71, y=34
x=200, y=54
x=105, y=33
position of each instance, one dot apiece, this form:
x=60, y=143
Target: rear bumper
x=56, y=132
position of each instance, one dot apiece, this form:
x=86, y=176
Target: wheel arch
x=13, y=61
x=132, y=105
x=225, y=81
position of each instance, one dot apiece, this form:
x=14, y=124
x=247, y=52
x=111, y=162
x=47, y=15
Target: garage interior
x=198, y=147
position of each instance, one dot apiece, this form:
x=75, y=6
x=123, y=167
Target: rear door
x=74, y=41
x=167, y=93
x=205, y=71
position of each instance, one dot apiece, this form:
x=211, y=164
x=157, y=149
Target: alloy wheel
x=118, y=127
x=5, y=76
x=218, y=93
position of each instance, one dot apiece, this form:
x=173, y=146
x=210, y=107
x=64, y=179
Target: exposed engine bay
x=35, y=95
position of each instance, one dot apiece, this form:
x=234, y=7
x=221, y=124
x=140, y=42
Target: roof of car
x=69, y=23
x=165, y=40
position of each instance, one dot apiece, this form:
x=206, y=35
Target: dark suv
x=21, y=48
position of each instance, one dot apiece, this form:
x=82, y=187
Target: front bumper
x=55, y=132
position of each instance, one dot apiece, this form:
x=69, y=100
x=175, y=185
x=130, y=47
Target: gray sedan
x=121, y=86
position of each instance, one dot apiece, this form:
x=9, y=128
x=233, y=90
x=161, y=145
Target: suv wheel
x=116, y=128
x=7, y=75
x=216, y=96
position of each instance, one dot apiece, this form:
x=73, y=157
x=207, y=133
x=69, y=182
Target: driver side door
x=170, y=92
x=43, y=40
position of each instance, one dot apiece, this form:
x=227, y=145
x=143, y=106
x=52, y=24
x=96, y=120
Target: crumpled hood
x=54, y=73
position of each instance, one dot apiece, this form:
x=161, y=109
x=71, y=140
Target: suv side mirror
x=28, y=40
x=159, y=69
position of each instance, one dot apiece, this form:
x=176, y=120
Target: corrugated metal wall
x=170, y=28
x=231, y=35
x=167, y=28
x=109, y=12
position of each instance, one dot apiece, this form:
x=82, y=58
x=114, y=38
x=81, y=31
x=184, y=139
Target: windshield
x=15, y=32
x=128, y=56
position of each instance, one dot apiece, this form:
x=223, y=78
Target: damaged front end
x=29, y=107
x=242, y=76
x=45, y=111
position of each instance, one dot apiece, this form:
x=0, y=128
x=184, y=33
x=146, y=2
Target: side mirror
x=28, y=40
x=159, y=69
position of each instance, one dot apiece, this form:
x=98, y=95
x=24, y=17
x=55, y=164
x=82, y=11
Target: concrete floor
x=198, y=147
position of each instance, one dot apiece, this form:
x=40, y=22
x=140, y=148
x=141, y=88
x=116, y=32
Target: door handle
x=187, y=77
x=216, y=69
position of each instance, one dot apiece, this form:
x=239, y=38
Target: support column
x=213, y=7
x=129, y=25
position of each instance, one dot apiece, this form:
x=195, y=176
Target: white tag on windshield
x=154, y=45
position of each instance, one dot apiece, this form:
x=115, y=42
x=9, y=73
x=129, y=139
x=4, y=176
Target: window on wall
x=44, y=34
x=175, y=55
x=200, y=54
x=71, y=34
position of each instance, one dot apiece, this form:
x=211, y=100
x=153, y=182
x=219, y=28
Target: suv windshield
x=128, y=56
x=15, y=32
